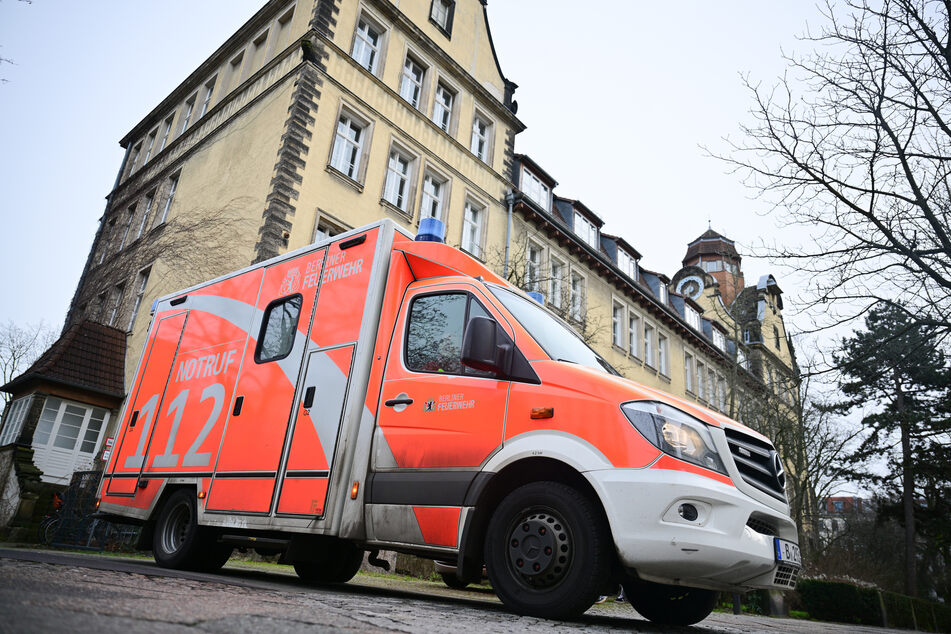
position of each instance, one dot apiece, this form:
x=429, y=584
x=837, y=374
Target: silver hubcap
x=176, y=528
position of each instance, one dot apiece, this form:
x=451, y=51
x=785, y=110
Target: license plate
x=787, y=552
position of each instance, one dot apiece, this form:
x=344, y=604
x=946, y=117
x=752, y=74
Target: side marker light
x=543, y=412
x=354, y=490
x=201, y=495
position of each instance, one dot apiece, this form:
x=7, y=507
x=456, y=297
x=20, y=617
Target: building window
x=348, y=146
x=107, y=232
x=411, y=81
x=173, y=185
x=150, y=145
x=776, y=337
x=742, y=360
x=627, y=264
x=140, y=283
x=663, y=354
x=66, y=423
x=480, y=138
x=441, y=13
x=700, y=380
x=189, y=110
x=366, y=44
x=688, y=371
x=134, y=157
x=149, y=200
x=396, y=186
x=556, y=284
x=577, y=297
x=117, y=294
x=586, y=230
x=719, y=339
x=167, y=130
x=433, y=199
x=15, y=417
x=649, y=344
x=442, y=107
x=712, y=386
x=209, y=89
x=128, y=227
x=721, y=393
x=617, y=324
x=536, y=190
x=662, y=293
x=472, y=222
x=233, y=77
x=326, y=229
x=692, y=317
x=533, y=266
x=633, y=333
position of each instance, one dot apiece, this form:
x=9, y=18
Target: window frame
x=186, y=119
x=588, y=232
x=577, y=312
x=170, y=198
x=534, y=188
x=142, y=281
x=556, y=281
x=444, y=183
x=375, y=65
x=485, y=138
x=420, y=86
x=408, y=178
x=450, y=6
x=258, y=359
x=366, y=128
x=481, y=210
x=633, y=333
x=650, y=335
x=533, y=268
x=466, y=371
x=451, y=111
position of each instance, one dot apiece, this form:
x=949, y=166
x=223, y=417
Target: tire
x=48, y=530
x=336, y=562
x=180, y=543
x=670, y=605
x=453, y=581
x=558, y=571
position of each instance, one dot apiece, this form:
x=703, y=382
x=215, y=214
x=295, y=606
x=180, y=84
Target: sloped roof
x=87, y=356
x=710, y=243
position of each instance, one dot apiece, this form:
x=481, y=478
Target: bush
x=846, y=603
x=840, y=602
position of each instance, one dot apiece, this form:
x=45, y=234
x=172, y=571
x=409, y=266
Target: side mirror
x=482, y=348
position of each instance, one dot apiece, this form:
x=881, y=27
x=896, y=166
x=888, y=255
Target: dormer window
x=719, y=340
x=692, y=317
x=662, y=294
x=441, y=14
x=586, y=230
x=627, y=264
x=536, y=190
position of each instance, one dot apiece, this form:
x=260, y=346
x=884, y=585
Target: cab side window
x=435, y=330
x=278, y=329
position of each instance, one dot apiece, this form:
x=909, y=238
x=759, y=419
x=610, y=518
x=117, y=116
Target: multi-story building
x=322, y=115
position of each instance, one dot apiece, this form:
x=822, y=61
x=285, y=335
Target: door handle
x=309, y=397
x=393, y=402
x=238, y=404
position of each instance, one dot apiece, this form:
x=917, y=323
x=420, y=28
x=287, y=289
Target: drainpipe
x=510, y=199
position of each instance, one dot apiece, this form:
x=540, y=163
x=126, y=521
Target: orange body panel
x=303, y=496
x=343, y=292
x=439, y=525
x=241, y=494
x=669, y=462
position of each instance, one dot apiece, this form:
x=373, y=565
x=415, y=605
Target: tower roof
x=711, y=243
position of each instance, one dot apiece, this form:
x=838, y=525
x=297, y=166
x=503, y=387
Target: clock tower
x=716, y=257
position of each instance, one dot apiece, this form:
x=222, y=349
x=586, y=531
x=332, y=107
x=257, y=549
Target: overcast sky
x=617, y=102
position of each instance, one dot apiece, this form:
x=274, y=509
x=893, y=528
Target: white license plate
x=787, y=552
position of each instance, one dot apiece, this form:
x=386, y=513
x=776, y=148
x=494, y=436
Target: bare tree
x=19, y=347
x=854, y=145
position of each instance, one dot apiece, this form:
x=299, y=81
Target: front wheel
x=180, y=543
x=670, y=605
x=547, y=551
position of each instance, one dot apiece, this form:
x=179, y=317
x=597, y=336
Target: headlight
x=675, y=433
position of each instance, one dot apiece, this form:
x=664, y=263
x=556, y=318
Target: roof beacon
x=431, y=230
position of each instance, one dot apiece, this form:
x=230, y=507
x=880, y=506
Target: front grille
x=786, y=576
x=758, y=463
x=763, y=527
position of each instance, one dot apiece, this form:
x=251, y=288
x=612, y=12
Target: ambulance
x=378, y=392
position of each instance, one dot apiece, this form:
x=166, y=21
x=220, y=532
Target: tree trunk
x=908, y=495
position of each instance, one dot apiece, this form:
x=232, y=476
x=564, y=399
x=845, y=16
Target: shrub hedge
x=847, y=603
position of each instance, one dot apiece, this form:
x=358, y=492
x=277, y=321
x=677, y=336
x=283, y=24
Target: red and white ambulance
x=374, y=392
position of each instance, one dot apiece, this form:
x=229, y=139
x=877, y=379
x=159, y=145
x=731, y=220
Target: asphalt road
x=49, y=591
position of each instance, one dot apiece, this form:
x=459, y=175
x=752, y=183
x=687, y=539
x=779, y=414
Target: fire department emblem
x=291, y=281
x=429, y=406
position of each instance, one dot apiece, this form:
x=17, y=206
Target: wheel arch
x=493, y=491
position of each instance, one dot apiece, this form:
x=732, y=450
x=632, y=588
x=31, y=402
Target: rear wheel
x=179, y=542
x=547, y=551
x=670, y=605
x=335, y=562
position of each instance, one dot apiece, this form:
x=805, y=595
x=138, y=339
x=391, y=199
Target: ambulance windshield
x=558, y=340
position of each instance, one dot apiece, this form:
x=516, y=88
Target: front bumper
x=729, y=546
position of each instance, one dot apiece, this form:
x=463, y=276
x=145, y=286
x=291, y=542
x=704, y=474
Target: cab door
x=438, y=413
